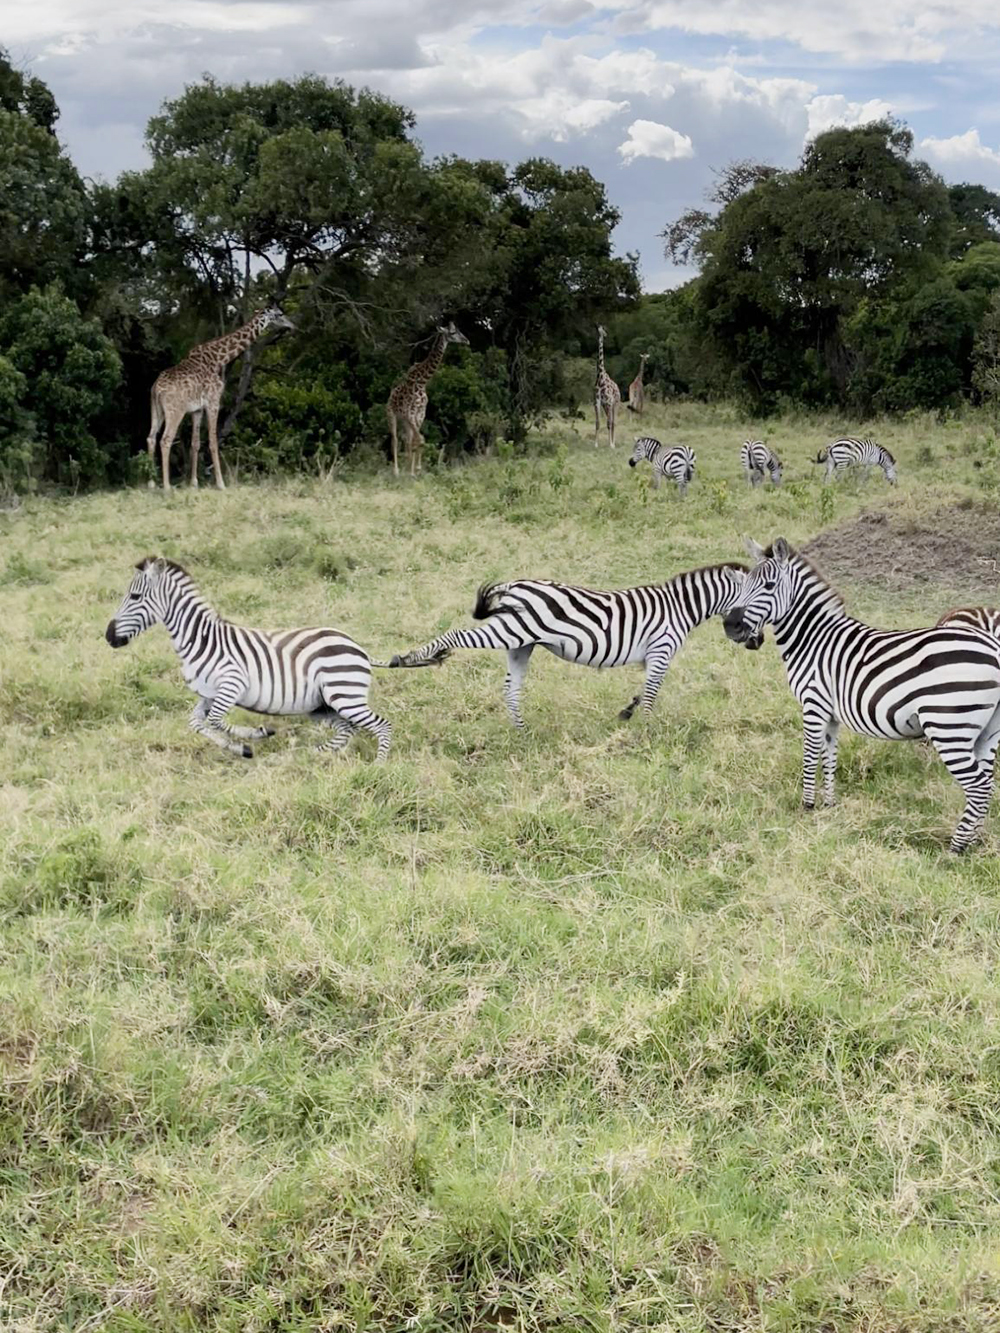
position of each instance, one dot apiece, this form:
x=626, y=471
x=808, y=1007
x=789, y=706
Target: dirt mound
x=957, y=548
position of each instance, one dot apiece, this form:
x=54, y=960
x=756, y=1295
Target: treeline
x=304, y=192
x=857, y=281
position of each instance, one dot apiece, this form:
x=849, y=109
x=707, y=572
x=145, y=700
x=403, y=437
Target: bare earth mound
x=957, y=548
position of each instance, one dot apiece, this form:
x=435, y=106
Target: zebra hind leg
x=342, y=733
x=976, y=780
x=359, y=717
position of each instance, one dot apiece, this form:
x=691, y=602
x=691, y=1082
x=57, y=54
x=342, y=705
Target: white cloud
x=824, y=112
x=648, y=138
x=964, y=155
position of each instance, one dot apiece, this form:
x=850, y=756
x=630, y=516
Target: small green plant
x=559, y=474
x=718, y=497
x=827, y=504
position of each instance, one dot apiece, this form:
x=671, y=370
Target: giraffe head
x=451, y=334
x=274, y=318
x=601, y=331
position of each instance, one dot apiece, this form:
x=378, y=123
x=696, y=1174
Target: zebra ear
x=755, y=552
x=781, y=551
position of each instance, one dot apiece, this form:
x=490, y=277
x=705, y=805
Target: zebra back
x=985, y=618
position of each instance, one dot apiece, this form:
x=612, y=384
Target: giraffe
x=195, y=385
x=636, y=395
x=408, y=399
x=606, y=394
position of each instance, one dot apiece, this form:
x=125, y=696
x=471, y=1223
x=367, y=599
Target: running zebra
x=675, y=461
x=942, y=683
x=850, y=452
x=598, y=629
x=316, y=671
x=759, y=461
x=985, y=618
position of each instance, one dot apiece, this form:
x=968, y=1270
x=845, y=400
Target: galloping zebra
x=675, y=461
x=316, y=671
x=598, y=629
x=942, y=683
x=850, y=452
x=985, y=618
x=759, y=461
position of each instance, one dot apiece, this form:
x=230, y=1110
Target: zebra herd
x=941, y=683
x=676, y=462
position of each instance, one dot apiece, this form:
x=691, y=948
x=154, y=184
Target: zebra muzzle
x=113, y=637
x=631, y=462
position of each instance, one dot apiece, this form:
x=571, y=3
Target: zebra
x=942, y=683
x=985, y=618
x=675, y=461
x=320, y=672
x=850, y=452
x=759, y=461
x=598, y=629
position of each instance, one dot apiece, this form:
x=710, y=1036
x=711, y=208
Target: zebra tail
x=821, y=456
x=407, y=660
x=488, y=600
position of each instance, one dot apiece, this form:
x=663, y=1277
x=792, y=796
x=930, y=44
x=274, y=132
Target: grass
x=587, y=1028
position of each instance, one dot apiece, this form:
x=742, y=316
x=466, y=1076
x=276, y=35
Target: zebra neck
x=187, y=620
x=815, y=608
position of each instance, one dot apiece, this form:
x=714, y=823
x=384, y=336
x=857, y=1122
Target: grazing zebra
x=759, y=461
x=942, y=683
x=316, y=671
x=598, y=629
x=985, y=618
x=850, y=452
x=675, y=461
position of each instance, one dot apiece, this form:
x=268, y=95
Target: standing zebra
x=316, y=671
x=759, y=461
x=850, y=452
x=942, y=683
x=675, y=461
x=598, y=629
x=985, y=618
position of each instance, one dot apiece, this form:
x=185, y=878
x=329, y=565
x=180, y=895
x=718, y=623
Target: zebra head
x=889, y=467
x=767, y=594
x=143, y=605
x=645, y=447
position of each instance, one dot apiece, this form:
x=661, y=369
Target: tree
x=977, y=216
x=43, y=207
x=682, y=238
x=70, y=373
x=26, y=96
x=986, y=357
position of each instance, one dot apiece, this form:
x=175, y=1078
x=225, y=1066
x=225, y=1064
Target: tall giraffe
x=408, y=399
x=636, y=393
x=606, y=394
x=195, y=385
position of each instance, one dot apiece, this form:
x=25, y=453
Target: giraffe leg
x=395, y=440
x=597, y=422
x=173, y=420
x=612, y=410
x=195, y=446
x=212, y=415
x=155, y=426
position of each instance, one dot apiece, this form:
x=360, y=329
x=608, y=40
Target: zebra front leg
x=831, y=735
x=656, y=669
x=209, y=720
x=813, y=742
x=239, y=733
x=518, y=660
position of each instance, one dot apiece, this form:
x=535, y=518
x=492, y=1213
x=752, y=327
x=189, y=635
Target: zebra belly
x=583, y=654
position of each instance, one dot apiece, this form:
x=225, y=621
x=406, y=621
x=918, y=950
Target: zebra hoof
x=395, y=660
x=808, y=805
x=270, y=731
x=247, y=752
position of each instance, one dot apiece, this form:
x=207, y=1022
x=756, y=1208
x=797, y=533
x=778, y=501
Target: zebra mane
x=143, y=564
x=804, y=560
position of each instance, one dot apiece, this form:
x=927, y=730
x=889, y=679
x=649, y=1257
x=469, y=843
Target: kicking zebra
x=316, y=671
x=759, y=461
x=675, y=461
x=850, y=452
x=985, y=618
x=597, y=629
x=942, y=683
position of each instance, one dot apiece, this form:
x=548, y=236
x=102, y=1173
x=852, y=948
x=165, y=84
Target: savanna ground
x=590, y=1027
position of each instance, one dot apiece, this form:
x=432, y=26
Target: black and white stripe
x=637, y=626
x=675, y=461
x=758, y=462
x=985, y=618
x=320, y=672
x=942, y=683
x=850, y=452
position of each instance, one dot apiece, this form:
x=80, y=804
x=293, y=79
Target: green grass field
x=586, y=1028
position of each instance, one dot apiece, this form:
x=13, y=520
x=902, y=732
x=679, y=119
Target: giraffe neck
x=601, y=372
x=423, y=370
x=230, y=345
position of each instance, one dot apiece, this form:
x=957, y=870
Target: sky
x=651, y=95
